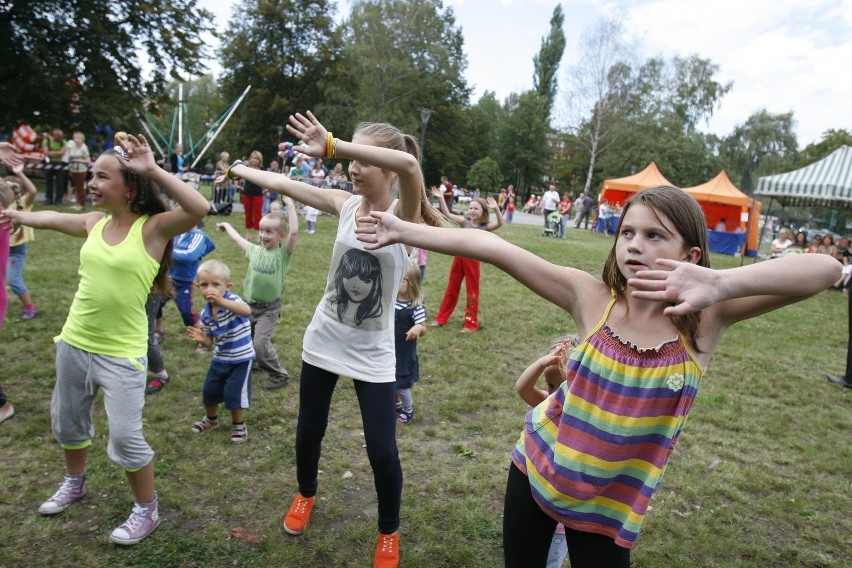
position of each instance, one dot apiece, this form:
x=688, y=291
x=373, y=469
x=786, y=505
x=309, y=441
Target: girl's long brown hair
x=681, y=210
x=148, y=200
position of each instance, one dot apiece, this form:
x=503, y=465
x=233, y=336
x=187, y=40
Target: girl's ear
x=693, y=255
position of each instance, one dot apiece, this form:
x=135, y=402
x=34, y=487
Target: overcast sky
x=781, y=55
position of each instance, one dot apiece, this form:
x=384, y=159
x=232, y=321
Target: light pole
x=425, y=113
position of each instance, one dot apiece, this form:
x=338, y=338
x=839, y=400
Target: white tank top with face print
x=352, y=331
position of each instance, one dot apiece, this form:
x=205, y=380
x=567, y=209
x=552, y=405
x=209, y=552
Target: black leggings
x=527, y=533
x=378, y=414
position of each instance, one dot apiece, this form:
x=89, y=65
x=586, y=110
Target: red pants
x=469, y=270
x=253, y=207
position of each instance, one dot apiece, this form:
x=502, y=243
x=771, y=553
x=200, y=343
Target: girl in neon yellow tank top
x=103, y=344
x=592, y=455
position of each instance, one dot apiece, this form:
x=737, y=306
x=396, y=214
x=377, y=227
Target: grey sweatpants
x=79, y=375
x=264, y=318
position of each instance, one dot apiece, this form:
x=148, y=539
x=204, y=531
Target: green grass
x=762, y=475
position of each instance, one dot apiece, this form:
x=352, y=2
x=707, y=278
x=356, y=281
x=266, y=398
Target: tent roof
x=827, y=182
x=720, y=189
x=648, y=177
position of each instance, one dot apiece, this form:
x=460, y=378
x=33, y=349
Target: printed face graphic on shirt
x=358, y=295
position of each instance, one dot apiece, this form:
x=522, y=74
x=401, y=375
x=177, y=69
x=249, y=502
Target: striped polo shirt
x=231, y=333
x=595, y=450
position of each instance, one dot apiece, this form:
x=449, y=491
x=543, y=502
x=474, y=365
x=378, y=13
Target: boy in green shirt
x=264, y=283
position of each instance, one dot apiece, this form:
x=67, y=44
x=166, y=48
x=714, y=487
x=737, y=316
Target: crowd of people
x=580, y=479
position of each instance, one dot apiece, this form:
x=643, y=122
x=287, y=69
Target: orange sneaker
x=299, y=514
x=387, y=551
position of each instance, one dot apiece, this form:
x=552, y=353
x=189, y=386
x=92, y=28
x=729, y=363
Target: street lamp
x=425, y=113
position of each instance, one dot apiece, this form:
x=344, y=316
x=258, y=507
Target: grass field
x=762, y=475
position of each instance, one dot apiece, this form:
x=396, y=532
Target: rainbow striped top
x=596, y=449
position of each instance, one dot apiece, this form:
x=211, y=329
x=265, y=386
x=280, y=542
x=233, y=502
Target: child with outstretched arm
x=648, y=330
x=263, y=286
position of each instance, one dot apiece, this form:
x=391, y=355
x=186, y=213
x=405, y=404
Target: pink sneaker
x=73, y=489
x=142, y=521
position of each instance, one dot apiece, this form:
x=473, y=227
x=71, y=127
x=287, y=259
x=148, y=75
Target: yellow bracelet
x=329, y=143
x=333, y=152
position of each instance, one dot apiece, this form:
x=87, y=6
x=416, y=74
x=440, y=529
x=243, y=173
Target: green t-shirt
x=264, y=280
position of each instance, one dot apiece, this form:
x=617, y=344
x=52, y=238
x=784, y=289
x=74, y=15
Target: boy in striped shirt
x=224, y=323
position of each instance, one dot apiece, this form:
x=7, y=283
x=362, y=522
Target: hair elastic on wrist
x=228, y=171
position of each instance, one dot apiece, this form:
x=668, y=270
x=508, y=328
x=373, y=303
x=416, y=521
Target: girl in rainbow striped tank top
x=592, y=455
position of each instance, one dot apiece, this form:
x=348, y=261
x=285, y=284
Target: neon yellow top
x=107, y=315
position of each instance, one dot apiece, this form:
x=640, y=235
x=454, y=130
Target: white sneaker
x=73, y=489
x=142, y=521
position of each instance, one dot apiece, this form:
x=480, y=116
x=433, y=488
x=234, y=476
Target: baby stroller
x=552, y=225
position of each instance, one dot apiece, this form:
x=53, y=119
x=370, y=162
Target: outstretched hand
x=379, y=229
x=310, y=131
x=491, y=202
x=10, y=219
x=436, y=192
x=689, y=287
x=7, y=150
x=139, y=157
x=16, y=163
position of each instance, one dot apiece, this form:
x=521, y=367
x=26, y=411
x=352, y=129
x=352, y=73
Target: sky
x=781, y=55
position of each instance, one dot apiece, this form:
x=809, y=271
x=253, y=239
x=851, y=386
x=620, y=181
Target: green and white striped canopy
x=826, y=183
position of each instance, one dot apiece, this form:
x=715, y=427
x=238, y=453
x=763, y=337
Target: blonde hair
x=7, y=196
x=387, y=135
x=255, y=155
x=279, y=217
x=215, y=268
x=415, y=287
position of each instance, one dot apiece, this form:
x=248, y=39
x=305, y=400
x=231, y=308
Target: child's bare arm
x=498, y=215
x=293, y=222
x=235, y=236
x=525, y=385
x=417, y=330
x=29, y=188
x=740, y=293
x=239, y=308
x=198, y=335
x=73, y=224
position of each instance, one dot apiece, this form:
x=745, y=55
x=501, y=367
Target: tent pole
x=762, y=229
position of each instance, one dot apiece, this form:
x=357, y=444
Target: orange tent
x=617, y=191
x=721, y=199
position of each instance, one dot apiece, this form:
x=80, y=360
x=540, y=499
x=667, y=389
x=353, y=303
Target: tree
x=523, y=140
x=546, y=61
x=831, y=140
x=764, y=144
x=71, y=63
x=284, y=49
x=682, y=92
x=485, y=174
x=401, y=56
x=596, y=98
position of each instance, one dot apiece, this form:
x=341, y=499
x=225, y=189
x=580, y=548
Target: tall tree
x=682, y=92
x=523, y=140
x=402, y=56
x=766, y=143
x=596, y=98
x=69, y=63
x=546, y=62
x=284, y=49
